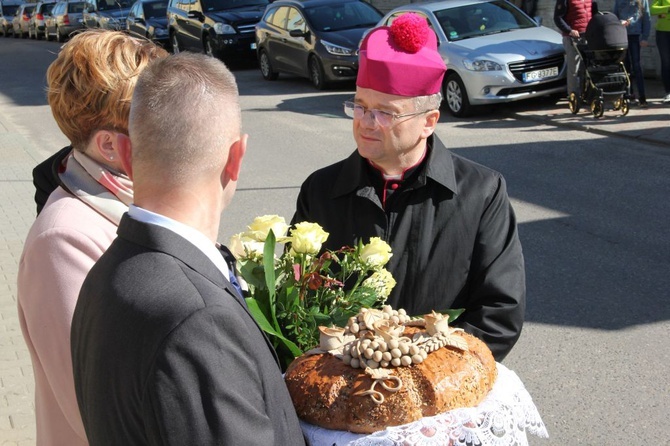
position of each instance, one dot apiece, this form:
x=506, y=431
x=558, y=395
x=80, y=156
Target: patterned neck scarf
x=107, y=192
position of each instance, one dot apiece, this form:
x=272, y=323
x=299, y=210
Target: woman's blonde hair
x=91, y=82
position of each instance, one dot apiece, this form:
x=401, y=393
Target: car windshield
x=337, y=17
x=106, y=5
x=47, y=7
x=221, y=5
x=481, y=19
x=153, y=10
x=10, y=10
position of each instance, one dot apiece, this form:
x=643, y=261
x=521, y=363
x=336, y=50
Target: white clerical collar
x=197, y=238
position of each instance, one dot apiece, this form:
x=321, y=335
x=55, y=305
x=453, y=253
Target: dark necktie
x=230, y=261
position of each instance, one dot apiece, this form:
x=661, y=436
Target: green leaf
x=268, y=327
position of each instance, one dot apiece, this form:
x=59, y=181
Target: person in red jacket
x=571, y=18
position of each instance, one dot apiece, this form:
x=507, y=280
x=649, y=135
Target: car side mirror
x=298, y=33
x=195, y=15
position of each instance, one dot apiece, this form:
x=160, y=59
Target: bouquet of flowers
x=290, y=295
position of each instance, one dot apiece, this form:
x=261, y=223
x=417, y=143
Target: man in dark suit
x=163, y=347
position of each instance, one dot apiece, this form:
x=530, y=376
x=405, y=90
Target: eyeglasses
x=383, y=118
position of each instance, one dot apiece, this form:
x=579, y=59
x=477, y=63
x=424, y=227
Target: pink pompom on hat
x=401, y=59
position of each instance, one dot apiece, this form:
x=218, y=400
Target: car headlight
x=223, y=28
x=482, y=65
x=337, y=49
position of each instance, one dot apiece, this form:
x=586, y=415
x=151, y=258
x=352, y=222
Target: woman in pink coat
x=90, y=85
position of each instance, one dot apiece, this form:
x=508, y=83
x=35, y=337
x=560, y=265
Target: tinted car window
x=218, y=5
x=344, y=16
x=278, y=17
x=155, y=9
x=10, y=9
x=295, y=20
x=76, y=7
x=105, y=5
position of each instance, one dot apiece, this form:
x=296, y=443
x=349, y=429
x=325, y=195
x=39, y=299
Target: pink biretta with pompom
x=401, y=59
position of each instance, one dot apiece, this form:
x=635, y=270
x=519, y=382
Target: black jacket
x=45, y=176
x=164, y=353
x=452, y=231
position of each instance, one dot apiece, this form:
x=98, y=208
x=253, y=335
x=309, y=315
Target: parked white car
x=494, y=52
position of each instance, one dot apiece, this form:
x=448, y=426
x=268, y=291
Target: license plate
x=253, y=46
x=538, y=75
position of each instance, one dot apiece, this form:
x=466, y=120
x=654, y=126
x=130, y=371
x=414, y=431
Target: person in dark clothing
x=571, y=18
x=448, y=220
x=164, y=348
x=45, y=176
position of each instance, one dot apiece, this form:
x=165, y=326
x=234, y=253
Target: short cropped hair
x=91, y=82
x=429, y=102
x=185, y=114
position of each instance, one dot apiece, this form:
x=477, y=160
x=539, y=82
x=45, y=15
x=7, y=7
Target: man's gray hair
x=185, y=111
x=429, y=102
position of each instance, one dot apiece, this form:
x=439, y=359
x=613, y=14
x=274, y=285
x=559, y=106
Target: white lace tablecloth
x=502, y=419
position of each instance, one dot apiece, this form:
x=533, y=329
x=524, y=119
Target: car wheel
x=266, y=67
x=59, y=36
x=456, y=97
x=174, y=42
x=316, y=73
x=16, y=35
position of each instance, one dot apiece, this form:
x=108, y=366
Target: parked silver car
x=65, y=18
x=7, y=10
x=36, y=27
x=21, y=20
x=494, y=52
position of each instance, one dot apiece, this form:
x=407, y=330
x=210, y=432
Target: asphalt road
x=593, y=212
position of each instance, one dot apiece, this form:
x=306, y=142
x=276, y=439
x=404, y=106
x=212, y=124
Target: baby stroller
x=602, y=50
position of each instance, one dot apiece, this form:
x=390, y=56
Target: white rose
x=307, y=238
x=260, y=227
x=376, y=253
x=244, y=246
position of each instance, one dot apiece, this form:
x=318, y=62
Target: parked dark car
x=65, y=18
x=219, y=28
x=21, y=20
x=316, y=39
x=7, y=10
x=148, y=18
x=106, y=14
x=36, y=26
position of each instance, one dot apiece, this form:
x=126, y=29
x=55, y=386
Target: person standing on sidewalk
x=164, y=348
x=634, y=15
x=661, y=8
x=89, y=87
x=571, y=18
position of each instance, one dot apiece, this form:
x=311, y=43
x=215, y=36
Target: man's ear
x=235, y=155
x=125, y=152
x=431, y=120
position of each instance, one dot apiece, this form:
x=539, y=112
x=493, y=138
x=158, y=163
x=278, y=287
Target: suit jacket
x=165, y=353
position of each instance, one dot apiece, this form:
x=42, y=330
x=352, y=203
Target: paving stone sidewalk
x=17, y=212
